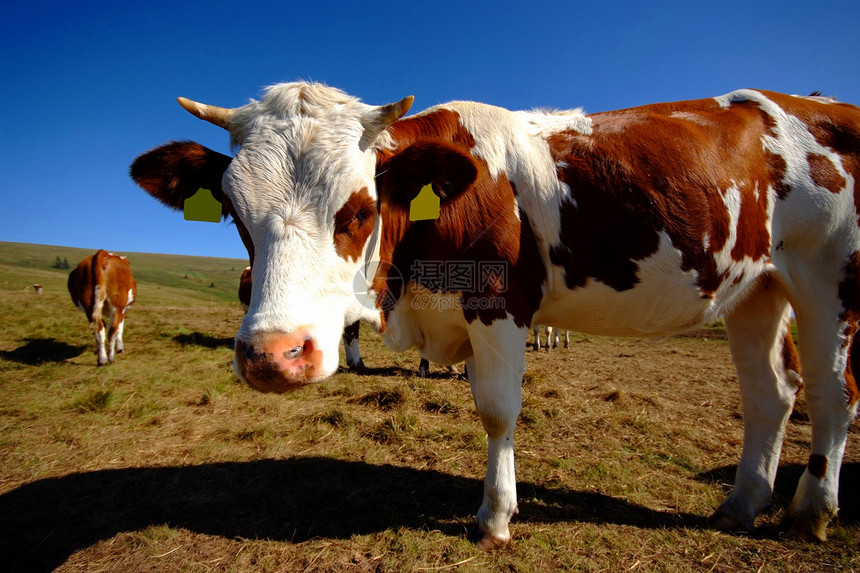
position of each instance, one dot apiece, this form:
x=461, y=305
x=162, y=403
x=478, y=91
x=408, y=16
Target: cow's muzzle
x=278, y=361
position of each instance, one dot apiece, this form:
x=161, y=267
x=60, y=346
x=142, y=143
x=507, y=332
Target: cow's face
x=301, y=186
x=306, y=188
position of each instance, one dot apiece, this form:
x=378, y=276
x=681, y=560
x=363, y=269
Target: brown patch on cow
x=753, y=238
x=441, y=125
x=777, y=166
x=817, y=466
x=824, y=173
x=790, y=357
x=631, y=180
x=353, y=224
x=477, y=233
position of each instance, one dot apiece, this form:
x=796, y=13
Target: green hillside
x=207, y=278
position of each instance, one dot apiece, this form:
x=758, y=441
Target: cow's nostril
x=249, y=352
x=294, y=353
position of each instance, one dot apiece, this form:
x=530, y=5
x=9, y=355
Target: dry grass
x=162, y=462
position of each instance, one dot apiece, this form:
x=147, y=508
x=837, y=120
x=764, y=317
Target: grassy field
x=163, y=462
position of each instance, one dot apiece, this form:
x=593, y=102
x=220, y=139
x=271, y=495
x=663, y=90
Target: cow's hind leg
x=115, y=334
x=757, y=328
x=495, y=374
x=826, y=335
x=98, y=326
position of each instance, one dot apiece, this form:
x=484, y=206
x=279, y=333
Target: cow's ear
x=175, y=171
x=401, y=176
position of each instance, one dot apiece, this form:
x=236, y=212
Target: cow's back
x=114, y=274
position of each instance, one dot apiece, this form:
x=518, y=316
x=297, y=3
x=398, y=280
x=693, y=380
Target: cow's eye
x=362, y=216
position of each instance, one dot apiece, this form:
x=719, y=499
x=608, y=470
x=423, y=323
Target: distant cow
x=553, y=336
x=102, y=286
x=647, y=221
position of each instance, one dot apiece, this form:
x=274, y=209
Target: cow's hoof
x=798, y=529
x=722, y=521
x=486, y=541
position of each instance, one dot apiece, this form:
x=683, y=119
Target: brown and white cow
x=102, y=286
x=646, y=221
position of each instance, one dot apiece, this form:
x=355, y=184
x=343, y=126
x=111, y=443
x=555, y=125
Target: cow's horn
x=390, y=113
x=219, y=116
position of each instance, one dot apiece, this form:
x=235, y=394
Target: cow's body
x=647, y=221
x=103, y=288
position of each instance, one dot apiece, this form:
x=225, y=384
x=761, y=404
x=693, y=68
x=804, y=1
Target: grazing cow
x=102, y=286
x=647, y=221
x=350, y=332
x=553, y=335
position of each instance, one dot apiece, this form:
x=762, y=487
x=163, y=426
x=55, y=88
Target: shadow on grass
x=204, y=340
x=41, y=351
x=46, y=521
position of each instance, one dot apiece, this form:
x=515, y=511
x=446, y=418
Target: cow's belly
x=599, y=309
x=431, y=322
x=665, y=301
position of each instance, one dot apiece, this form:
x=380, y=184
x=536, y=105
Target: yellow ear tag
x=202, y=206
x=425, y=206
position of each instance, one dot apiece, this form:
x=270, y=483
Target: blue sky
x=87, y=86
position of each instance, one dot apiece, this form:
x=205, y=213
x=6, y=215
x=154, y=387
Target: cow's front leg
x=495, y=374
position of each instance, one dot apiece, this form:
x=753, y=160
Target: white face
x=302, y=185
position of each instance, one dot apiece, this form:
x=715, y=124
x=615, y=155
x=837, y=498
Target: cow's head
x=302, y=190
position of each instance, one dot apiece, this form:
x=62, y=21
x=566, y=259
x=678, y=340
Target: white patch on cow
x=691, y=117
x=665, y=301
x=432, y=322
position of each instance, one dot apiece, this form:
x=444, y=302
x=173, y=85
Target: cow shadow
x=38, y=351
x=46, y=521
x=204, y=340
x=398, y=371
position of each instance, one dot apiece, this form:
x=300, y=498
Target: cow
x=103, y=288
x=350, y=332
x=553, y=336
x=647, y=221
